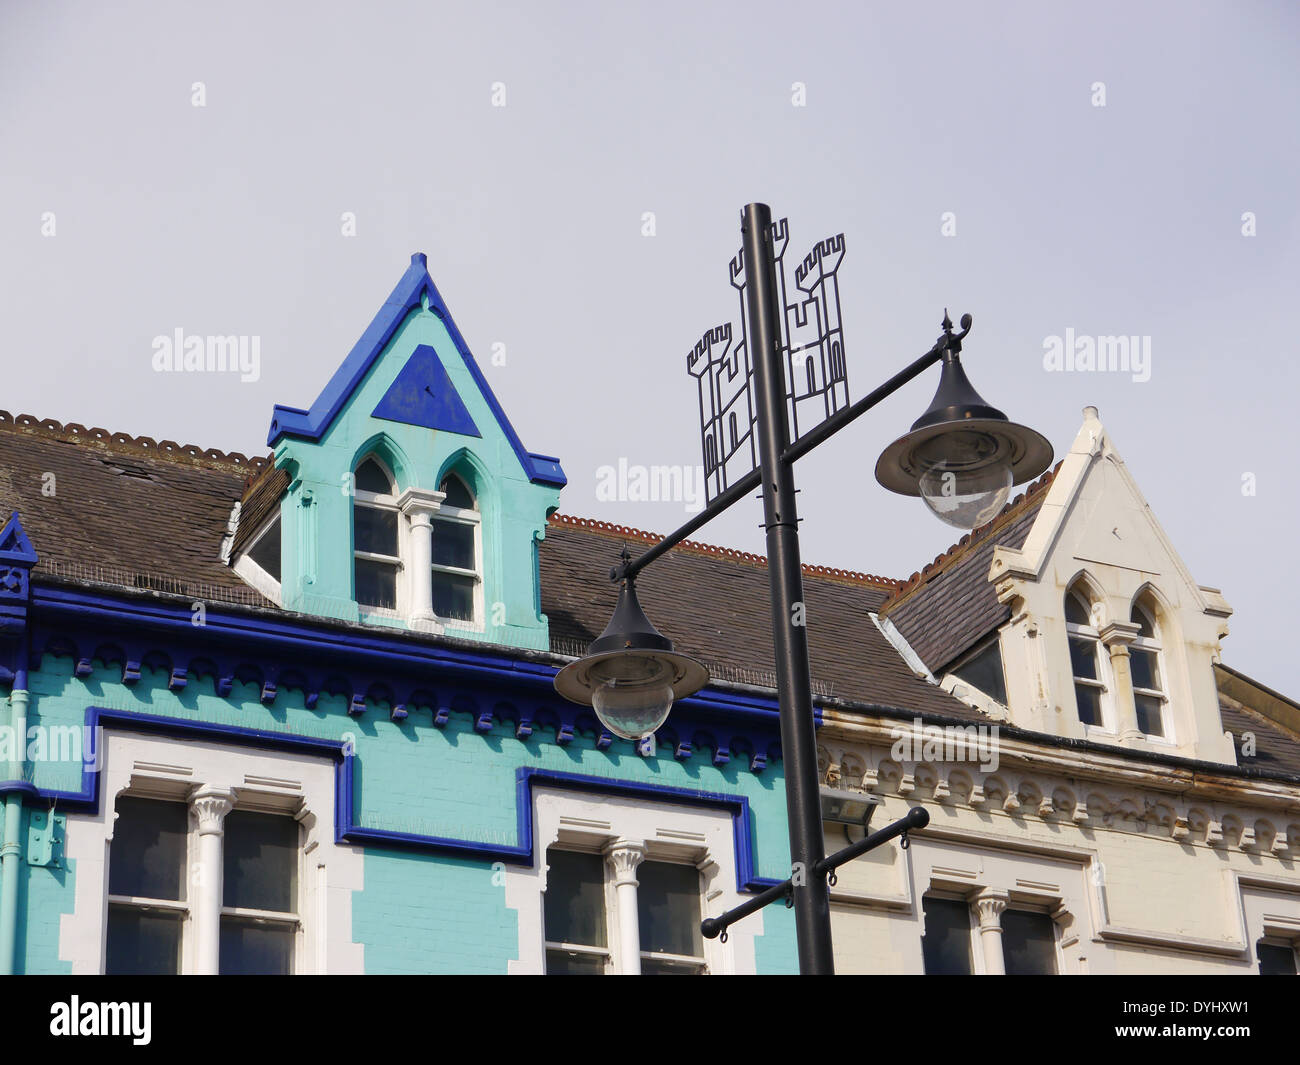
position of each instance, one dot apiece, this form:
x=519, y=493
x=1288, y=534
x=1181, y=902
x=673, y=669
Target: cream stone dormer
x=1110, y=638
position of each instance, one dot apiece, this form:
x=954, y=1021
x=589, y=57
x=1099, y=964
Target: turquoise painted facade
x=438, y=751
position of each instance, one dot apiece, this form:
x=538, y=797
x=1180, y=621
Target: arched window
x=1087, y=663
x=1144, y=663
x=376, y=560
x=812, y=375
x=457, y=575
x=735, y=434
x=710, y=455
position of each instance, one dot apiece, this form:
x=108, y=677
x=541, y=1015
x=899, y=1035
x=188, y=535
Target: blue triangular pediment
x=415, y=290
x=423, y=395
x=14, y=545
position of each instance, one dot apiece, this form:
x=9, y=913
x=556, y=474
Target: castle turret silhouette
x=812, y=347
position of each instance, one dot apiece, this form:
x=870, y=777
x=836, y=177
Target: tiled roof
x=715, y=605
x=947, y=608
x=130, y=511
x=122, y=509
x=1260, y=743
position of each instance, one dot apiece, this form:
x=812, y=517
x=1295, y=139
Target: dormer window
x=1144, y=662
x=376, y=560
x=457, y=574
x=1086, y=661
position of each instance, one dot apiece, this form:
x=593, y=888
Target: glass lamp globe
x=631, y=675
x=966, y=500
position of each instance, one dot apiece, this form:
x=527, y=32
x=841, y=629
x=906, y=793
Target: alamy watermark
x=631, y=483
x=1110, y=354
x=208, y=354
x=947, y=743
x=54, y=743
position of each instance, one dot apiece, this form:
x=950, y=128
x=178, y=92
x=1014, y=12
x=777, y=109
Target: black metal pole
x=812, y=911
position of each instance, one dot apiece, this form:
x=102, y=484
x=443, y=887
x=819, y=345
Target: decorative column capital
x=990, y=905
x=210, y=805
x=1117, y=635
x=420, y=504
x=624, y=855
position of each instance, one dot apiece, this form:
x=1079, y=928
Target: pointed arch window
x=376, y=558
x=1087, y=663
x=457, y=550
x=1144, y=662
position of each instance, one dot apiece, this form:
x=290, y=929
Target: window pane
x=1075, y=611
x=372, y=478
x=575, y=898
x=945, y=946
x=668, y=904
x=267, y=552
x=255, y=948
x=453, y=597
x=1275, y=959
x=453, y=544
x=457, y=494
x=261, y=862
x=376, y=530
x=376, y=583
x=142, y=944
x=985, y=672
x=1150, y=719
x=1083, y=658
x=1143, y=621
x=1089, y=700
x=147, y=855
x=1145, y=668
x=1028, y=943
x=564, y=963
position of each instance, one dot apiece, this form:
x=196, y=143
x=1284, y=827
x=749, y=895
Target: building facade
x=295, y=714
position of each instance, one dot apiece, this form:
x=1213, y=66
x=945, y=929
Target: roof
x=133, y=512
x=950, y=606
x=850, y=658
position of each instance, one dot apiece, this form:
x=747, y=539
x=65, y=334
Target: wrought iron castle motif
x=812, y=345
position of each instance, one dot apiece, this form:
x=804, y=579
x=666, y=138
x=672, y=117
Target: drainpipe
x=11, y=851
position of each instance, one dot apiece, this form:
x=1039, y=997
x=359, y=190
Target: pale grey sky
x=1123, y=219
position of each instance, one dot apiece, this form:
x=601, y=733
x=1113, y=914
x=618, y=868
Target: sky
x=575, y=174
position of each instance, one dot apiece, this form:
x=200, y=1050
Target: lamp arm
x=798, y=449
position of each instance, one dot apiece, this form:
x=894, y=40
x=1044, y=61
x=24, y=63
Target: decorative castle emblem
x=812, y=348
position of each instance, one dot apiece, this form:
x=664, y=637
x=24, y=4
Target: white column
x=419, y=506
x=989, y=905
x=210, y=805
x=624, y=855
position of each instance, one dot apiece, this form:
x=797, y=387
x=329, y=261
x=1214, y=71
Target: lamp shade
x=631, y=676
x=962, y=455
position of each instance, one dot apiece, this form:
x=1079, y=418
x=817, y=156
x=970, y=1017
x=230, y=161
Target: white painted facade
x=1143, y=867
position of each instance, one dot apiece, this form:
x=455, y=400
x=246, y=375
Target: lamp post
x=962, y=456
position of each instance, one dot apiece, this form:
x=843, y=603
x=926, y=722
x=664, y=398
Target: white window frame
x=474, y=518
x=1153, y=644
x=1104, y=682
x=381, y=501
x=667, y=832
x=263, y=780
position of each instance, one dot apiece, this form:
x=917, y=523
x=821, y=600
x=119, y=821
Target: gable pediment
x=423, y=395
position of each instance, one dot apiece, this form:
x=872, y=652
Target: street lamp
x=962, y=457
x=631, y=675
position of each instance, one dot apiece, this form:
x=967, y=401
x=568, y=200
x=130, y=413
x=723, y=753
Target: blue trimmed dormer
x=410, y=500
